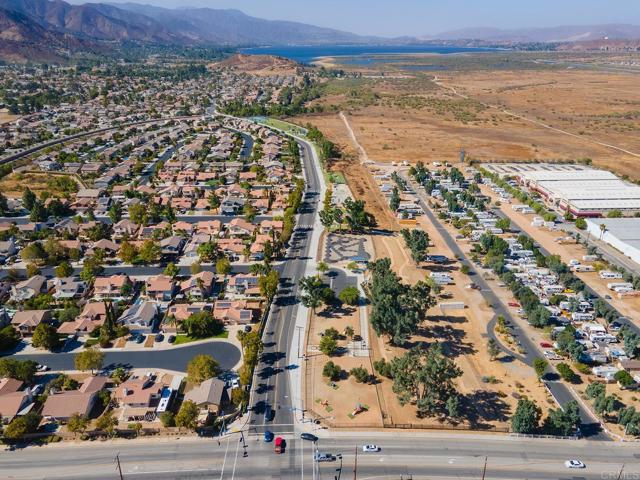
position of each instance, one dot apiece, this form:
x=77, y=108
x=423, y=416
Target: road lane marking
x=224, y=461
x=233, y=472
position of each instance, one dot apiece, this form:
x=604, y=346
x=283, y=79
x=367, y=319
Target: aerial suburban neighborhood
x=242, y=248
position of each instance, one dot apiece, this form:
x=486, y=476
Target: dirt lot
x=12, y=185
x=463, y=336
x=417, y=119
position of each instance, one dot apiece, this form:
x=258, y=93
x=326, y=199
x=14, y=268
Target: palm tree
x=603, y=228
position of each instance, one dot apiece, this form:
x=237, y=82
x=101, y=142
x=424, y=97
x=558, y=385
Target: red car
x=546, y=345
x=514, y=304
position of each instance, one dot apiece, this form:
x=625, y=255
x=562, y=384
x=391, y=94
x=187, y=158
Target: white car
x=370, y=448
x=42, y=368
x=574, y=464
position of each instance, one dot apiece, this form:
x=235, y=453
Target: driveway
x=227, y=354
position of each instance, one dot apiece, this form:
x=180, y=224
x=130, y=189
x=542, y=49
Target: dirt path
x=582, y=138
x=361, y=151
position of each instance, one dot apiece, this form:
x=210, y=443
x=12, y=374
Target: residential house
x=242, y=284
x=239, y=227
x=160, y=287
x=199, y=285
x=138, y=396
x=67, y=288
x=125, y=228
x=232, y=312
x=92, y=316
x=113, y=287
x=181, y=311
x=140, y=317
x=27, y=321
x=32, y=287
x=172, y=246
x=61, y=406
x=231, y=205
x=13, y=401
x=210, y=396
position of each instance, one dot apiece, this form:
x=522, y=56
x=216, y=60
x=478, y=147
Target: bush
x=350, y=296
x=328, y=346
x=361, y=374
x=566, y=373
x=383, y=368
x=594, y=390
x=168, y=419
x=331, y=370
x=624, y=378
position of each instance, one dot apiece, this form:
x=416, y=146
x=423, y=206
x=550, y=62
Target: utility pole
x=484, y=470
x=118, y=466
x=355, y=466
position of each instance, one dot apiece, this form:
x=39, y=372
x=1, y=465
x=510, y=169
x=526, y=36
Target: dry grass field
x=494, y=115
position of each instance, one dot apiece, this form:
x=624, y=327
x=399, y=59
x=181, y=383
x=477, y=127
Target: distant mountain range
x=562, y=34
x=52, y=30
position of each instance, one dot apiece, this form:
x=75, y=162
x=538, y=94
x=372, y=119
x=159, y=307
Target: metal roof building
x=621, y=233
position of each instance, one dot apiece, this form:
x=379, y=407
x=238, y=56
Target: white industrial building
x=582, y=190
x=621, y=233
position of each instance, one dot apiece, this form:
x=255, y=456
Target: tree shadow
x=484, y=406
x=451, y=339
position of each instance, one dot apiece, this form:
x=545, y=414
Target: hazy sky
x=420, y=17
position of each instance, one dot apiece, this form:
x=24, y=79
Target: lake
x=307, y=54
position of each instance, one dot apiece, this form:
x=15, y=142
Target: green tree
x=361, y=374
x=128, y=252
x=195, y=268
x=313, y=295
x=33, y=252
x=418, y=242
x=563, y=421
x=168, y=419
x=91, y=268
x=624, y=378
x=9, y=338
x=77, y=423
x=615, y=213
x=150, y=252
x=64, y=269
x=581, y=223
x=268, y=284
x=208, y=251
x=493, y=349
x=89, y=359
x=115, y=212
x=22, y=425
x=45, y=336
x=425, y=376
x=201, y=368
x=202, y=325
x=356, y=216
x=331, y=371
x=24, y=370
x=32, y=270
x=138, y=213
x=28, y=199
x=394, y=201
x=171, y=270
x=223, y=266
x=594, y=390
x=187, y=415
x=526, y=418
x=328, y=345
x=350, y=295
x=540, y=366
x=107, y=423
x=566, y=372
x=396, y=308
x=383, y=368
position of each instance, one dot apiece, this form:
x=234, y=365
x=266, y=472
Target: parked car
x=247, y=328
x=279, y=445
x=514, y=304
x=140, y=338
x=159, y=338
x=308, y=436
x=171, y=339
x=574, y=464
x=370, y=448
x=546, y=345
x=269, y=414
x=42, y=368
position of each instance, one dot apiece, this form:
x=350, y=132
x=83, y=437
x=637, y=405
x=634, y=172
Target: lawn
x=180, y=339
x=285, y=126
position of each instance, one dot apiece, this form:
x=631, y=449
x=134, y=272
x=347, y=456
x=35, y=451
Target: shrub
x=383, y=368
x=566, y=372
x=361, y=374
x=331, y=370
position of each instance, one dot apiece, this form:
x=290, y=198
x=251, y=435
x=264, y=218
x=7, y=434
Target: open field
x=494, y=114
x=12, y=186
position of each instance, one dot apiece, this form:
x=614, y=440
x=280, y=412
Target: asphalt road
x=271, y=391
x=418, y=455
x=224, y=219
x=175, y=358
x=559, y=390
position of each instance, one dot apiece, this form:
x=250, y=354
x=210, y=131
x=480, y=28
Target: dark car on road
x=308, y=436
x=171, y=339
x=269, y=414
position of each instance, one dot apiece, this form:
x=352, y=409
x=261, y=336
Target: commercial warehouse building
x=580, y=189
x=621, y=233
